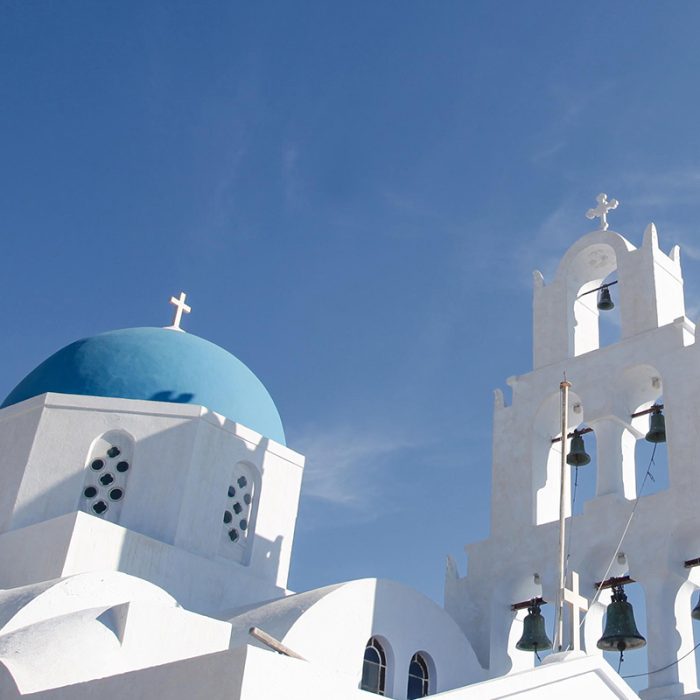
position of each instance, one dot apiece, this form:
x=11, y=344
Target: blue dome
x=156, y=364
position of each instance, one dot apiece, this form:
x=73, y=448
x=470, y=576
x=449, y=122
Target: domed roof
x=156, y=364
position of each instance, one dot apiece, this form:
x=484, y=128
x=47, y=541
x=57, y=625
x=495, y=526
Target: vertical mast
x=559, y=612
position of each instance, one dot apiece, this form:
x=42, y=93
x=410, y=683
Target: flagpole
x=559, y=612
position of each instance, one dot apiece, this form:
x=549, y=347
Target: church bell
x=534, y=635
x=621, y=631
x=657, y=427
x=605, y=302
x=577, y=457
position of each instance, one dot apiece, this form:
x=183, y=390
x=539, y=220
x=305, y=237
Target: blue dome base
x=156, y=364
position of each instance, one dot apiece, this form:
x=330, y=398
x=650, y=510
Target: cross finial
x=180, y=308
x=601, y=211
x=578, y=603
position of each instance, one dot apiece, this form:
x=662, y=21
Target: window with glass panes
x=374, y=668
x=417, y=678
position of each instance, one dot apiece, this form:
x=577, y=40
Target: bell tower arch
x=625, y=529
x=649, y=288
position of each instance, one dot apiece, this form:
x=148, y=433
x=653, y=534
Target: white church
x=149, y=500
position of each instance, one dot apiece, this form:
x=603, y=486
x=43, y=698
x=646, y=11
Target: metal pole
x=559, y=612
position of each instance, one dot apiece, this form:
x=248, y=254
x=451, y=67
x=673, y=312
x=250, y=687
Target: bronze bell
x=621, y=632
x=605, y=303
x=657, y=427
x=534, y=635
x=577, y=457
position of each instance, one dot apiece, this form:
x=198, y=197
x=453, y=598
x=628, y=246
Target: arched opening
x=591, y=567
x=583, y=477
x=418, y=677
x=635, y=661
x=374, y=668
x=694, y=601
x=609, y=328
x=521, y=591
x=678, y=647
x=107, y=470
x=645, y=462
x=650, y=455
x=238, y=519
x=546, y=459
x=593, y=267
x=651, y=467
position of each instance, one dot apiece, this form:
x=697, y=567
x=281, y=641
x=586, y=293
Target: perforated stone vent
x=238, y=512
x=106, y=475
x=236, y=515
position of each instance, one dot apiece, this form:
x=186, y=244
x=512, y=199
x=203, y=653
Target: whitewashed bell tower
x=655, y=359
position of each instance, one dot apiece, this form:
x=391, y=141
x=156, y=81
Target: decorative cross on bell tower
x=180, y=308
x=578, y=604
x=601, y=211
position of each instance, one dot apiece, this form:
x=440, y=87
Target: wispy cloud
x=691, y=251
x=569, y=108
x=671, y=196
x=547, y=151
x=662, y=189
x=341, y=458
x=644, y=196
x=291, y=176
x=544, y=248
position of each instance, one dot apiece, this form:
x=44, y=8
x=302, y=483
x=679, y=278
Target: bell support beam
x=597, y=289
x=614, y=581
x=527, y=603
x=654, y=409
x=573, y=433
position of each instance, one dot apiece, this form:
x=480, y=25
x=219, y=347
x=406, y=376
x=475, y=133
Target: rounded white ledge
x=562, y=656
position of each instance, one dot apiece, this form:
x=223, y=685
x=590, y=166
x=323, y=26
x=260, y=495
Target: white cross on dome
x=180, y=308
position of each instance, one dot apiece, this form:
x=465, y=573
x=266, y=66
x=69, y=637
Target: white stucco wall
x=135, y=604
x=175, y=497
x=96, y=625
x=655, y=357
x=331, y=627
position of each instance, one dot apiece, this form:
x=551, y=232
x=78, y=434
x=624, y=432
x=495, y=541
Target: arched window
x=107, y=471
x=651, y=460
x=374, y=668
x=238, y=512
x=417, y=678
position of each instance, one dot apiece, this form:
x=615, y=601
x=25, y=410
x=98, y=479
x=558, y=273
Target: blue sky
x=354, y=196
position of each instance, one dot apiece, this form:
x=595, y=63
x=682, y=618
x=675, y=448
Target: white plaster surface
x=588, y=677
x=655, y=358
x=404, y=620
x=148, y=602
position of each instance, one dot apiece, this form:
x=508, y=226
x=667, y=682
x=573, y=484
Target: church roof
x=156, y=364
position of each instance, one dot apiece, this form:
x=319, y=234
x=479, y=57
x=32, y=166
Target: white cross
x=601, y=211
x=578, y=603
x=180, y=308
